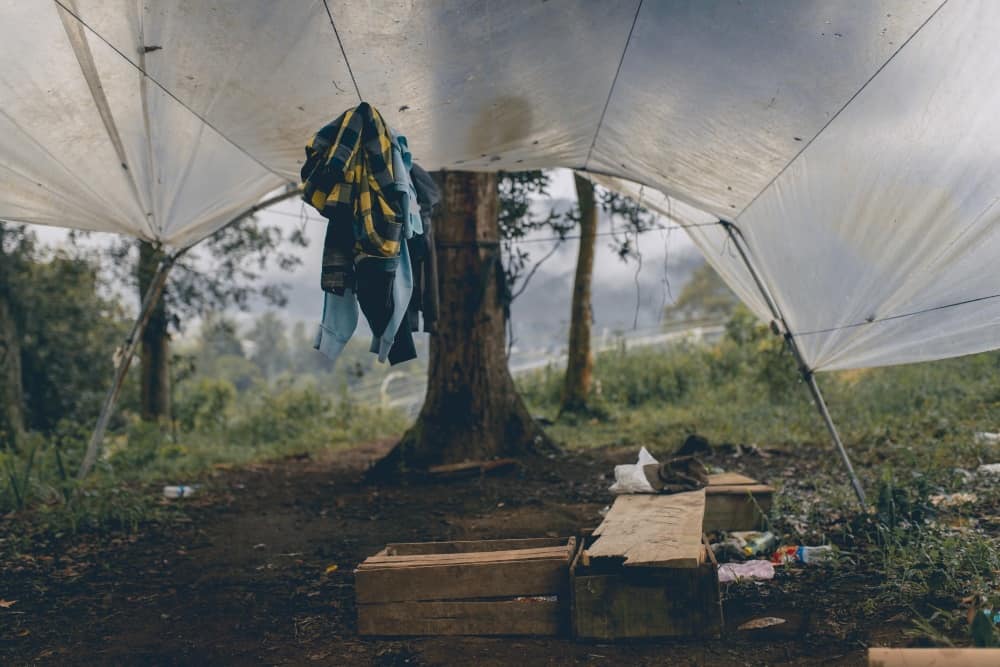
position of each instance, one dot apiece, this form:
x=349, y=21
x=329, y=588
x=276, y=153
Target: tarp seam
x=343, y=51
x=898, y=317
x=841, y=109
x=611, y=91
x=170, y=94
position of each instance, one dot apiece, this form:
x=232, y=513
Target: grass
x=910, y=431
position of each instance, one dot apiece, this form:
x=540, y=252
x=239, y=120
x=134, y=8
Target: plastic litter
x=761, y=623
x=985, y=437
x=180, y=491
x=756, y=543
x=989, y=469
x=802, y=554
x=750, y=570
x=630, y=478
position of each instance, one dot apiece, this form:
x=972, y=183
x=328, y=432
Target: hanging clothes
x=357, y=175
x=423, y=255
x=348, y=176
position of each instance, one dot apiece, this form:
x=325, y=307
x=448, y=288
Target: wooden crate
x=484, y=587
x=646, y=572
x=735, y=502
x=645, y=602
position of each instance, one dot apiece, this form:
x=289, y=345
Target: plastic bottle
x=178, y=491
x=814, y=554
x=760, y=543
x=799, y=554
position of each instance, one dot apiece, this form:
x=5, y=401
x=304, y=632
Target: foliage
x=910, y=430
x=705, y=296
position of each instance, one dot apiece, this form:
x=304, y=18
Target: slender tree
x=580, y=359
x=223, y=271
x=472, y=409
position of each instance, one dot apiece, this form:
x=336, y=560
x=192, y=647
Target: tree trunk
x=155, y=342
x=580, y=359
x=11, y=390
x=472, y=409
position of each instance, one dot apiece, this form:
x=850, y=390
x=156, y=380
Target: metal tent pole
x=807, y=374
x=149, y=301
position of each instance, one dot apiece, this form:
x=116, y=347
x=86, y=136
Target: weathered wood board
x=646, y=602
x=735, y=502
x=493, y=587
x=653, y=530
x=526, y=616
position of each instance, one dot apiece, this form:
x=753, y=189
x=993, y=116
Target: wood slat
x=467, y=546
x=502, y=617
x=738, y=489
x=462, y=558
x=729, y=478
x=462, y=581
x=653, y=530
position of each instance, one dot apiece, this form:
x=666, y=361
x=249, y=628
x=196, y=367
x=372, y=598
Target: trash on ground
x=751, y=570
x=761, y=623
x=953, y=499
x=180, y=491
x=989, y=469
x=330, y=569
x=802, y=554
x=756, y=543
x=630, y=478
x=985, y=437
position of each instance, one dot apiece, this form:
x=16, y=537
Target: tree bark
x=155, y=342
x=472, y=409
x=11, y=389
x=579, y=358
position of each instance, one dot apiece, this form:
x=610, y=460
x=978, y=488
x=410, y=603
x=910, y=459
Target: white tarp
x=851, y=142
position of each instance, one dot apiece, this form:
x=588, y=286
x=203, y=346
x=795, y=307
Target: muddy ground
x=245, y=576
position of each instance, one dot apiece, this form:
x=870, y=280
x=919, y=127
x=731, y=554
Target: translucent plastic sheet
x=853, y=143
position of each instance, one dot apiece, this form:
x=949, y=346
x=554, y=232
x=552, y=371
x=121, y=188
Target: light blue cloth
x=402, y=162
x=340, y=313
x=402, y=288
x=340, y=319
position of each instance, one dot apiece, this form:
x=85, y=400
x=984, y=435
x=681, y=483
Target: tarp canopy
x=851, y=142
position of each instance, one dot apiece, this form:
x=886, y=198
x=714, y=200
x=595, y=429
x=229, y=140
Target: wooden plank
x=497, y=617
x=682, y=602
x=486, y=557
x=729, y=478
x=466, y=546
x=732, y=507
x=738, y=489
x=653, y=530
x=463, y=581
x=469, y=468
x=933, y=657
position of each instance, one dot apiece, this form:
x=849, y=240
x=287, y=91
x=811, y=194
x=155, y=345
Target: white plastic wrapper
x=629, y=478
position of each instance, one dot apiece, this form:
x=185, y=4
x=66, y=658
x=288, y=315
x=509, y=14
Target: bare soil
x=246, y=576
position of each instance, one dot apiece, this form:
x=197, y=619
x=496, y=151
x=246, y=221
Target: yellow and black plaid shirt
x=348, y=176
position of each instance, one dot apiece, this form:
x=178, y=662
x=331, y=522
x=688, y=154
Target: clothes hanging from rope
x=423, y=255
x=357, y=174
x=348, y=175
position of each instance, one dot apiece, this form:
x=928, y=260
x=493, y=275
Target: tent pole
x=807, y=374
x=149, y=301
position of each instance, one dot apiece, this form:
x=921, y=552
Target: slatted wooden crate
x=647, y=573
x=736, y=502
x=485, y=587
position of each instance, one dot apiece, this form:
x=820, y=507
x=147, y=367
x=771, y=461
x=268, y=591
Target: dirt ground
x=246, y=578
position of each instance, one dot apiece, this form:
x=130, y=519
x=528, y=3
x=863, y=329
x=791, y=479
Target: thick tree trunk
x=580, y=359
x=11, y=390
x=472, y=409
x=155, y=342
